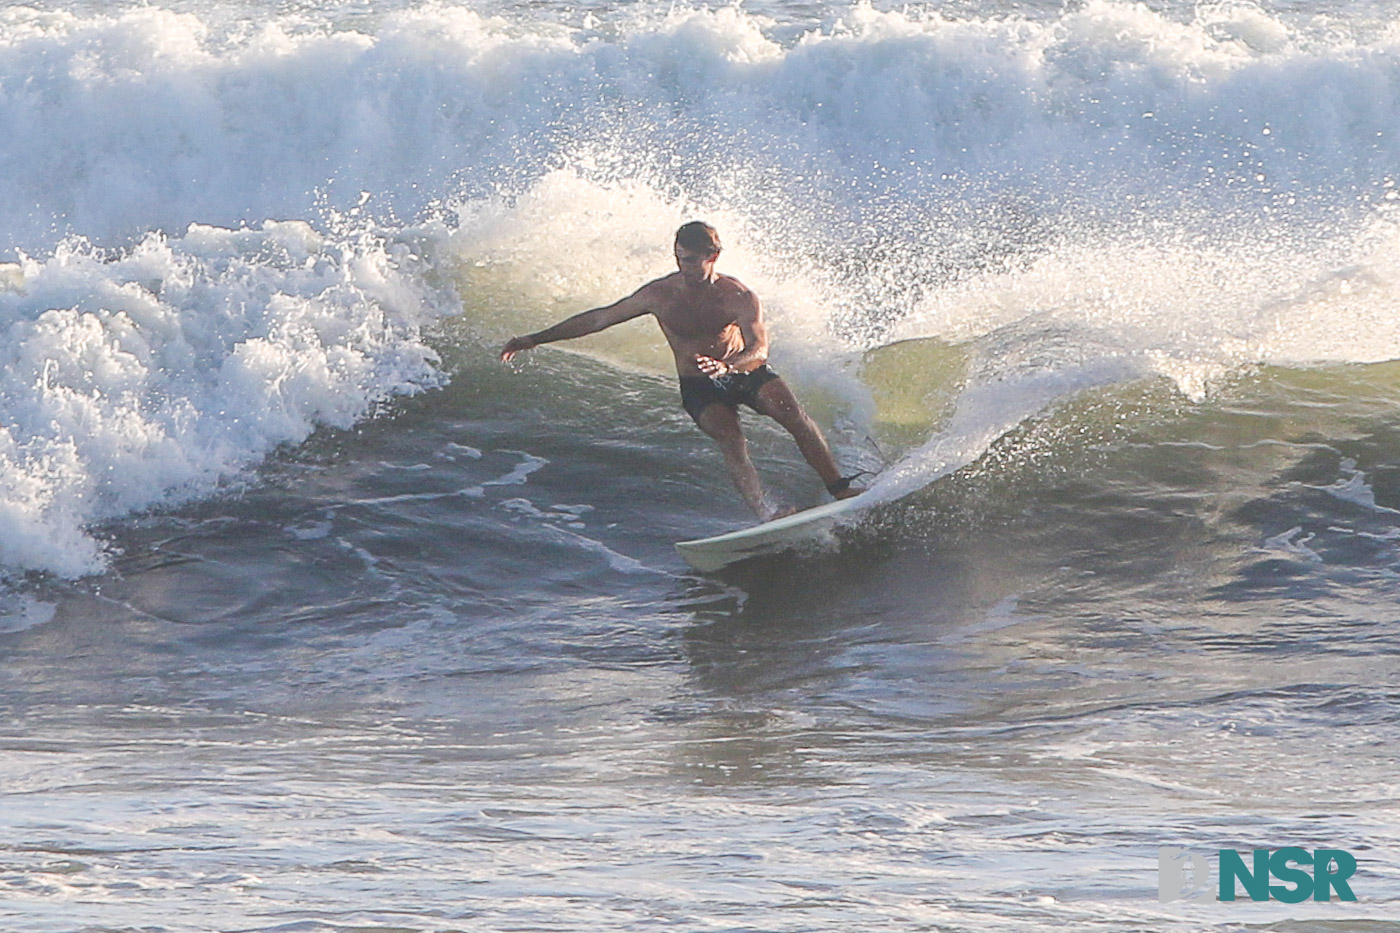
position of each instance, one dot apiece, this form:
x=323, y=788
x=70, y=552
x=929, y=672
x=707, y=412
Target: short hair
x=698, y=237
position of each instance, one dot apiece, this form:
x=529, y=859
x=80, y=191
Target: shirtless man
x=715, y=327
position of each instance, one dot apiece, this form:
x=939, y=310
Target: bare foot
x=850, y=492
x=780, y=513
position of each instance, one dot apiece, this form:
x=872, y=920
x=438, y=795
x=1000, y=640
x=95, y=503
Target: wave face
x=231, y=224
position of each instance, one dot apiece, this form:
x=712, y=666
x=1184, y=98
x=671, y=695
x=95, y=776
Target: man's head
x=697, y=248
x=699, y=237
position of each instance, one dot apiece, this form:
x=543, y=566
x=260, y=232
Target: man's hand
x=713, y=367
x=514, y=346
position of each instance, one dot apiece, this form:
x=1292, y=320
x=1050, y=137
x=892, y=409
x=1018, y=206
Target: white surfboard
x=708, y=554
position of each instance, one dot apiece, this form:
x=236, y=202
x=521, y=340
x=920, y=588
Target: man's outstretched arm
x=582, y=324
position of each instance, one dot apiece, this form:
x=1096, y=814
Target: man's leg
x=722, y=423
x=776, y=401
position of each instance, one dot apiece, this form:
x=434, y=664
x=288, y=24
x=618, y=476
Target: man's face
x=695, y=267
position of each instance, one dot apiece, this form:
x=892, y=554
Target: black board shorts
x=732, y=389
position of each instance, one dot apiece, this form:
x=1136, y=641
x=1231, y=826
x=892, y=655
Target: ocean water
x=315, y=617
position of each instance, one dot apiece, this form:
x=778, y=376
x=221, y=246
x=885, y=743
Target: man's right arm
x=583, y=323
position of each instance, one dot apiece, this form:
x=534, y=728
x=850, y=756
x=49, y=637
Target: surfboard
x=718, y=552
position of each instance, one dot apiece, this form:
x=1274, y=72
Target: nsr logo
x=1182, y=874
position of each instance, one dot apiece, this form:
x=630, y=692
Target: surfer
x=714, y=325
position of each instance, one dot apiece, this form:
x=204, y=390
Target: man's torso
x=699, y=320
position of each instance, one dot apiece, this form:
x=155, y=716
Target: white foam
x=1294, y=543
x=520, y=473
x=1352, y=487
x=147, y=118
x=143, y=377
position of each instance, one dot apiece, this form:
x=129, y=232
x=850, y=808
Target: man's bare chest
x=696, y=321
